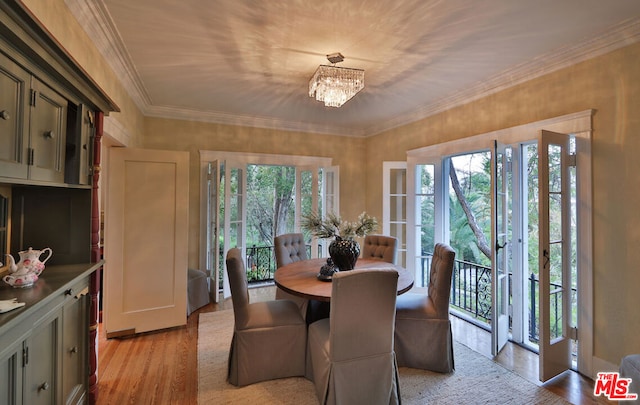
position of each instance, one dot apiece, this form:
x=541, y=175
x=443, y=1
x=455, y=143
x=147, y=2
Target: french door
x=555, y=291
x=223, y=210
x=500, y=257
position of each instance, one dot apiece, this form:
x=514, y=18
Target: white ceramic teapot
x=29, y=262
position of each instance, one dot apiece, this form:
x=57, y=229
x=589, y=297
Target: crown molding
x=624, y=34
x=250, y=121
x=94, y=18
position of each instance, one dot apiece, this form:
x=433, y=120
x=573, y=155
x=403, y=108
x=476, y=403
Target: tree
x=481, y=239
x=270, y=205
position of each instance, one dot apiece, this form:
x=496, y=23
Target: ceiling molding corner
x=250, y=121
x=95, y=20
x=622, y=35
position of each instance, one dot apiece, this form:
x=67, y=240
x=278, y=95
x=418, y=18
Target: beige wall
x=55, y=15
x=611, y=85
x=346, y=152
x=608, y=84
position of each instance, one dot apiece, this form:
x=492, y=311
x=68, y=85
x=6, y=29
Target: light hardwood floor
x=161, y=367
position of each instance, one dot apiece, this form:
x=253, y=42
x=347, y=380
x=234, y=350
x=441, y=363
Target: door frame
x=578, y=124
x=240, y=159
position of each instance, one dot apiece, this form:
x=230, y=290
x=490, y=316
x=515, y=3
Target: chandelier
x=335, y=85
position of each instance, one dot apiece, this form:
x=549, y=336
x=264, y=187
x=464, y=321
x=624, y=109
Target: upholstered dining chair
x=290, y=248
x=380, y=247
x=197, y=289
x=423, y=337
x=350, y=355
x=269, y=338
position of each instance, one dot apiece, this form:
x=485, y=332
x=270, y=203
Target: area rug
x=476, y=379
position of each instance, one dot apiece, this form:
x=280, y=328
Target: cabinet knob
x=4, y=114
x=73, y=350
x=49, y=134
x=44, y=386
x=69, y=292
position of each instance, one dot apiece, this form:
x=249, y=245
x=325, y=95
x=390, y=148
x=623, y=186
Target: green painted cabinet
x=44, y=359
x=32, y=126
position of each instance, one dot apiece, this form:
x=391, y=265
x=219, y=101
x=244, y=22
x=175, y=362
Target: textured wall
x=346, y=152
x=610, y=84
x=55, y=15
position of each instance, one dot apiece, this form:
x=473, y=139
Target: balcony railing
x=470, y=288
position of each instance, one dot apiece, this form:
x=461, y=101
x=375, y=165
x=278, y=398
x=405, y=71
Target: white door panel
x=555, y=282
x=499, y=253
x=146, y=240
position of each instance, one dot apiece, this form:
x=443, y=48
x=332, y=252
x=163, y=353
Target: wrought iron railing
x=471, y=295
x=261, y=264
x=470, y=288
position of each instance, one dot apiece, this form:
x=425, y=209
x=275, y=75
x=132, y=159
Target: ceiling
x=248, y=62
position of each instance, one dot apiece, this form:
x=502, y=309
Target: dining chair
x=423, y=337
x=269, y=338
x=380, y=247
x=350, y=355
x=290, y=248
x=197, y=289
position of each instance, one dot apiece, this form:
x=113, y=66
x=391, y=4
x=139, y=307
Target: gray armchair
x=380, y=247
x=423, y=337
x=350, y=355
x=269, y=338
x=290, y=248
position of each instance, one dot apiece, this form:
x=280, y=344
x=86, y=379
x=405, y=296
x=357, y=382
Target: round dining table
x=301, y=278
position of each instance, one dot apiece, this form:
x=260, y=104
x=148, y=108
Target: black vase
x=344, y=253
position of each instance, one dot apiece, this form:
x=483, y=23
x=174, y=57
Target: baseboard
x=600, y=365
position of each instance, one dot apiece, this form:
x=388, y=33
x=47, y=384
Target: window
x=248, y=199
x=521, y=260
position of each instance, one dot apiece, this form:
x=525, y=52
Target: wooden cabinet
x=14, y=124
x=79, y=147
x=51, y=116
x=75, y=317
x=10, y=373
x=33, y=126
x=48, y=129
x=44, y=360
x=40, y=361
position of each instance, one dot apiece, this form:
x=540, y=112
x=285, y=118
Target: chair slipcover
x=380, y=247
x=197, y=289
x=423, y=337
x=350, y=355
x=630, y=368
x=269, y=338
x=290, y=248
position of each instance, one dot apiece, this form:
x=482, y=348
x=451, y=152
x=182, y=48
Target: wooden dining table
x=301, y=278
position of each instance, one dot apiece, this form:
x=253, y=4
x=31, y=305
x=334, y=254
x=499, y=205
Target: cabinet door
x=79, y=144
x=11, y=374
x=14, y=110
x=42, y=363
x=74, y=347
x=47, y=135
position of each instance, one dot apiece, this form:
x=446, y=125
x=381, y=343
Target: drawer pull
x=4, y=114
x=43, y=387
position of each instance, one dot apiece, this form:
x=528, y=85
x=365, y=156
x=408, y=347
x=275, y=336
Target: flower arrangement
x=334, y=227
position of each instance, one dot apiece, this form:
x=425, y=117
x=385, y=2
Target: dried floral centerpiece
x=344, y=249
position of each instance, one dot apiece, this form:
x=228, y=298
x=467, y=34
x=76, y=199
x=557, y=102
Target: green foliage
x=474, y=174
x=333, y=226
x=270, y=202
